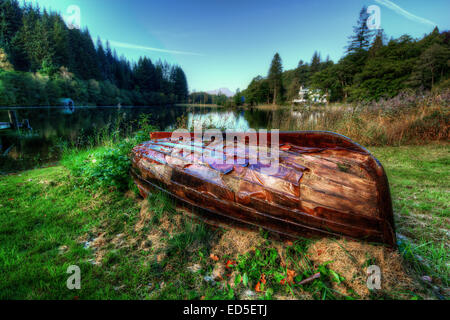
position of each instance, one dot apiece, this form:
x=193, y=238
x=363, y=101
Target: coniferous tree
x=362, y=37
x=35, y=40
x=432, y=65
x=315, y=62
x=60, y=38
x=144, y=74
x=109, y=63
x=180, y=86
x=302, y=73
x=10, y=21
x=377, y=44
x=101, y=59
x=90, y=56
x=371, y=70
x=275, y=78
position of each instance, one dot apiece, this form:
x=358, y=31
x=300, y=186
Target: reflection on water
x=218, y=120
x=53, y=127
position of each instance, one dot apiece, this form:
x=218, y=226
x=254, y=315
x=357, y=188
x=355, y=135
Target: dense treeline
x=219, y=99
x=206, y=98
x=372, y=68
x=42, y=60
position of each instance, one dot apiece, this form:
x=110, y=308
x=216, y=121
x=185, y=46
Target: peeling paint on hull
x=326, y=185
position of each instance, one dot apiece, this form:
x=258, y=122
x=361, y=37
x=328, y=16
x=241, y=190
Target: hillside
x=372, y=68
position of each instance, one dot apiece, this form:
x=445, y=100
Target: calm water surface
x=53, y=127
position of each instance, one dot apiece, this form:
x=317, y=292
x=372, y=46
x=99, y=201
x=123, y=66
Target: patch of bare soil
x=154, y=237
x=348, y=258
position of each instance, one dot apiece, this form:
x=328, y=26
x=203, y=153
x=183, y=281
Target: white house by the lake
x=309, y=95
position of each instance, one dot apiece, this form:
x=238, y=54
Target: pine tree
x=302, y=73
x=275, y=78
x=432, y=65
x=10, y=21
x=101, y=59
x=90, y=54
x=33, y=40
x=377, y=44
x=145, y=75
x=109, y=63
x=180, y=86
x=315, y=62
x=362, y=37
x=60, y=39
x=43, y=50
x=76, y=53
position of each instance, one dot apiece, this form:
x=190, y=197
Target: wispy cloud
x=137, y=47
x=403, y=12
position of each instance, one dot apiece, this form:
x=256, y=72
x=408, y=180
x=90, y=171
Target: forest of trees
x=206, y=98
x=42, y=60
x=372, y=68
x=219, y=99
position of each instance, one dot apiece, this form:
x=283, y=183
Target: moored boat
x=324, y=184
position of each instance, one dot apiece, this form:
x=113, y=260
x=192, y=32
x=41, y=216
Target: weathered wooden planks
x=325, y=185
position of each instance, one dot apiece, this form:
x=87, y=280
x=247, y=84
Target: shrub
x=106, y=164
x=107, y=168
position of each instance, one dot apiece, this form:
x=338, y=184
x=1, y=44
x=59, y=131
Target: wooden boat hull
x=326, y=185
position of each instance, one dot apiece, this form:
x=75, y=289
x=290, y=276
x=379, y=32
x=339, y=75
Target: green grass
x=46, y=215
x=41, y=211
x=420, y=184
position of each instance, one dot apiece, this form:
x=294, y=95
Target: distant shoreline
x=76, y=107
x=198, y=105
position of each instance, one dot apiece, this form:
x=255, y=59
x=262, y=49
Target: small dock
x=14, y=123
x=5, y=125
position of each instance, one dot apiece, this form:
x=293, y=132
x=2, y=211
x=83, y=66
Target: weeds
x=161, y=205
x=193, y=233
x=105, y=162
x=44, y=227
x=405, y=119
x=268, y=272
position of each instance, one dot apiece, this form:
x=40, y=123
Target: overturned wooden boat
x=325, y=184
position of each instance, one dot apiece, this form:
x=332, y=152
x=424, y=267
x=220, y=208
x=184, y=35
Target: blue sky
x=225, y=43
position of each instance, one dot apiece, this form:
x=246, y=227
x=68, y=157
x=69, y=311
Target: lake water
x=54, y=126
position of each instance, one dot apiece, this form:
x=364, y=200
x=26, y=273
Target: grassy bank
x=403, y=120
x=420, y=184
x=129, y=248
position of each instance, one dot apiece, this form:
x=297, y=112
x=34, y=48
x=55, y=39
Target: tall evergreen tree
x=362, y=37
x=10, y=21
x=315, y=62
x=60, y=38
x=275, y=78
x=90, y=56
x=432, y=65
x=377, y=44
x=109, y=63
x=180, y=86
x=144, y=74
x=302, y=73
x=101, y=59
